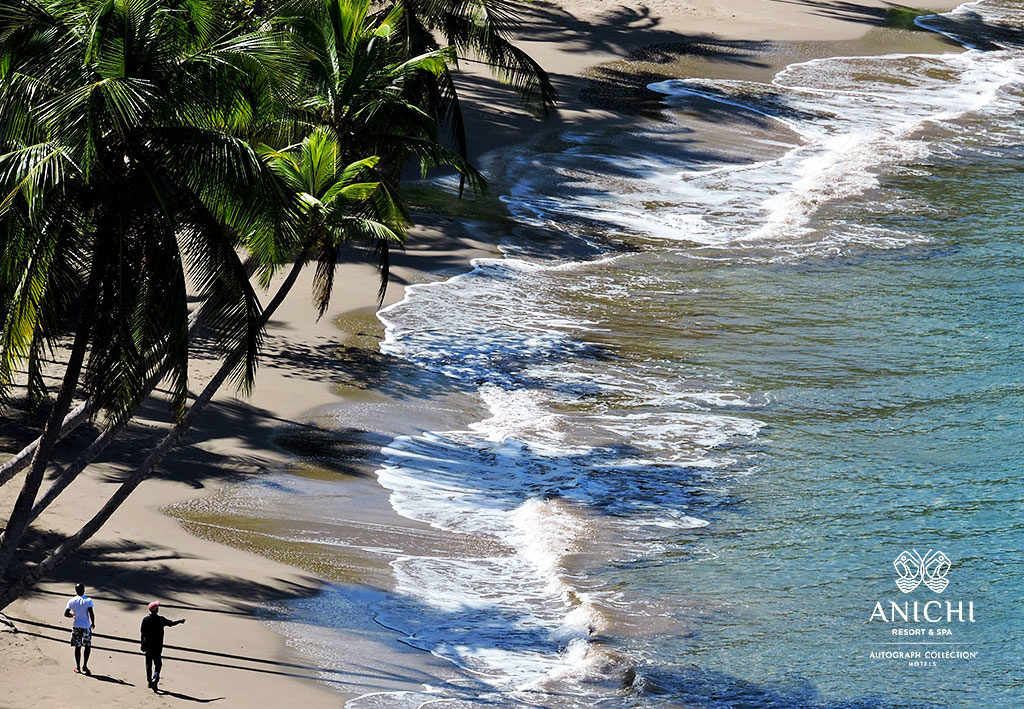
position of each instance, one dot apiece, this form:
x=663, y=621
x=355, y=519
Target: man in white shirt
x=80, y=608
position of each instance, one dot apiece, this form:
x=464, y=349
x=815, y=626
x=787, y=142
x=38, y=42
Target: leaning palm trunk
x=83, y=412
x=75, y=418
x=80, y=463
x=18, y=587
x=100, y=443
x=18, y=522
x=20, y=460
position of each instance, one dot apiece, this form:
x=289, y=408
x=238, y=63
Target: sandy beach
x=225, y=584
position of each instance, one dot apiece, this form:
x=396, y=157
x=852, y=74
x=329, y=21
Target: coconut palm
x=477, y=29
x=335, y=204
x=335, y=207
x=359, y=79
x=346, y=95
x=125, y=183
x=482, y=29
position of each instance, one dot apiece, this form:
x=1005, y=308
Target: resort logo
x=913, y=569
x=923, y=632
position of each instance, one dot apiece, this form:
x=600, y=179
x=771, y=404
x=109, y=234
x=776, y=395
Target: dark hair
x=80, y=589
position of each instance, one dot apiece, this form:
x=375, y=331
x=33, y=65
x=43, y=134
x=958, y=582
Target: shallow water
x=725, y=389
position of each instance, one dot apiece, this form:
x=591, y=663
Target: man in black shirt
x=153, y=642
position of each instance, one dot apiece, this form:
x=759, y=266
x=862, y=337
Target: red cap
x=154, y=605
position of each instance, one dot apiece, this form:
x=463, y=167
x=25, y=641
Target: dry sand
x=225, y=653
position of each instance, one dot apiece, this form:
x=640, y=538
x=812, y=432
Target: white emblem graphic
x=914, y=569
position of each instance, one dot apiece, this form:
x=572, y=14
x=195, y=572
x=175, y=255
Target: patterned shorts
x=81, y=637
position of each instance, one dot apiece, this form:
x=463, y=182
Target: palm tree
x=125, y=182
x=347, y=80
x=390, y=108
x=360, y=83
x=333, y=206
x=482, y=29
x=359, y=80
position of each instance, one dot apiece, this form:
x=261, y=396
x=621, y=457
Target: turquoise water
x=896, y=400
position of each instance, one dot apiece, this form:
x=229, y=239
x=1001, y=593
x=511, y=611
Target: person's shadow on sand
x=178, y=695
x=108, y=678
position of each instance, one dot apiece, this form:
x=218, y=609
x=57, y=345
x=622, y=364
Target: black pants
x=154, y=660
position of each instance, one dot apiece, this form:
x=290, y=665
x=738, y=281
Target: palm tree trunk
x=81, y=463
x=12, y=590
x=17, y=523
x=14, y=465
x=101, y=441
x=79, y=415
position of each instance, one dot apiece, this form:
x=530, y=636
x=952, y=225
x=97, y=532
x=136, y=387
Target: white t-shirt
x=81, y=605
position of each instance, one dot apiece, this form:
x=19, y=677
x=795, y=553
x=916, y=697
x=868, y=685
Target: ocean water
x=724, y=388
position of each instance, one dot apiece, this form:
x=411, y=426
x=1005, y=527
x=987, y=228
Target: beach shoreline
x=222, y=588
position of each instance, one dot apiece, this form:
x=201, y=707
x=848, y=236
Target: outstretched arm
x=177, y=622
